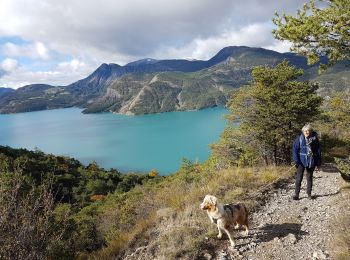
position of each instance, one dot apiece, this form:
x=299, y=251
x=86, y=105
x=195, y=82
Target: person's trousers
x=299, y=177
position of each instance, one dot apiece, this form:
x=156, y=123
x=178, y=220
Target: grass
x=128, y=220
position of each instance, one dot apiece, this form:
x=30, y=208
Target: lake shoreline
x=129, y=144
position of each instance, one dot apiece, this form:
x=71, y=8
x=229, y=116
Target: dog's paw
x=219, y=236
x=237, y=226
x=232, y=244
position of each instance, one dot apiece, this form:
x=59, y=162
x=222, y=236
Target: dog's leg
x=220, y=232
x=237, y=226
x=222, y=226
x=211, y=219
x=229, y=237
x=246, y=225
x=246, y=230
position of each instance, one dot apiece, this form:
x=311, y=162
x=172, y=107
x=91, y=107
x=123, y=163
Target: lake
x=126, y=143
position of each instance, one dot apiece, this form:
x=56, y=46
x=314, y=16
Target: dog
x=225, y=216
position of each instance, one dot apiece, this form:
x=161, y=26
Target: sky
x=59, y=42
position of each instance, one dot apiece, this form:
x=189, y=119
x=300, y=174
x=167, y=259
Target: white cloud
x=63, y=74
x=280, y=46
x=9, y=65
x=254, y=35
x=73, y=65
x=121, y=31
x=36, y=50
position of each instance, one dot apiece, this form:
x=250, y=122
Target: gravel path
x=288, y=229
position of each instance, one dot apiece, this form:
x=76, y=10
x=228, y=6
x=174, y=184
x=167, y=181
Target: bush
x=28, y=228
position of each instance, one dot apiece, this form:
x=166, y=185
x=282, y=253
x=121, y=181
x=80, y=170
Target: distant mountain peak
x=234, y=51
x=104, y=70
x=142, y=62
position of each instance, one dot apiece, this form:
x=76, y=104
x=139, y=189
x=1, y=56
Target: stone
x=208, y=256
x=276, y=240
x=319, y=255
x=290, y=238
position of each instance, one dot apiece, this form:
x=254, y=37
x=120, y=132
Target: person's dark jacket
x=308, y=157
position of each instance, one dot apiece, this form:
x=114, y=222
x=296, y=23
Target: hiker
x=307, y=156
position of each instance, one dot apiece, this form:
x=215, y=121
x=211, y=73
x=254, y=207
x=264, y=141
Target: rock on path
x=288, y=229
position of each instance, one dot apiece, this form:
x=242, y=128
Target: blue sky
x=59, y=42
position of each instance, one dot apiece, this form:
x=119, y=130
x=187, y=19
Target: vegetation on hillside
x=42, y=200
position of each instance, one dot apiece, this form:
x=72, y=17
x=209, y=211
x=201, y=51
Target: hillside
x=335, y=78
x=141, y=93
x=162, y=92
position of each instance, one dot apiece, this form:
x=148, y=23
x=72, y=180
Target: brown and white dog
x=225, y=216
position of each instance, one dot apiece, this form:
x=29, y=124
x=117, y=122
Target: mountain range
x=4, y=91
x=151, y=86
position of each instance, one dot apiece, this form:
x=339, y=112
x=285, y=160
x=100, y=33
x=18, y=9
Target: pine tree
x=270, y=112
x=318, y=31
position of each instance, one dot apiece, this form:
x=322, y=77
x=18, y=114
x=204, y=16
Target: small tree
x=28, y=228
x=270, y=112
x=316, y=32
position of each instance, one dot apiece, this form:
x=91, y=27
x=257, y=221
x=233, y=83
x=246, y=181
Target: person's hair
x=307, y=127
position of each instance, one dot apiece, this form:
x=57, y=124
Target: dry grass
x=130, y=219
x=342, y=235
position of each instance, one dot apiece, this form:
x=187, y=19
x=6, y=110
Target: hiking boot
x=295, y=197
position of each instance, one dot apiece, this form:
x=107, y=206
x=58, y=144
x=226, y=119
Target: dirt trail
x=288, y=229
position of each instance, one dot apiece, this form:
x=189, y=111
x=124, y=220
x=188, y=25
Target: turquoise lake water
x=126, y=143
